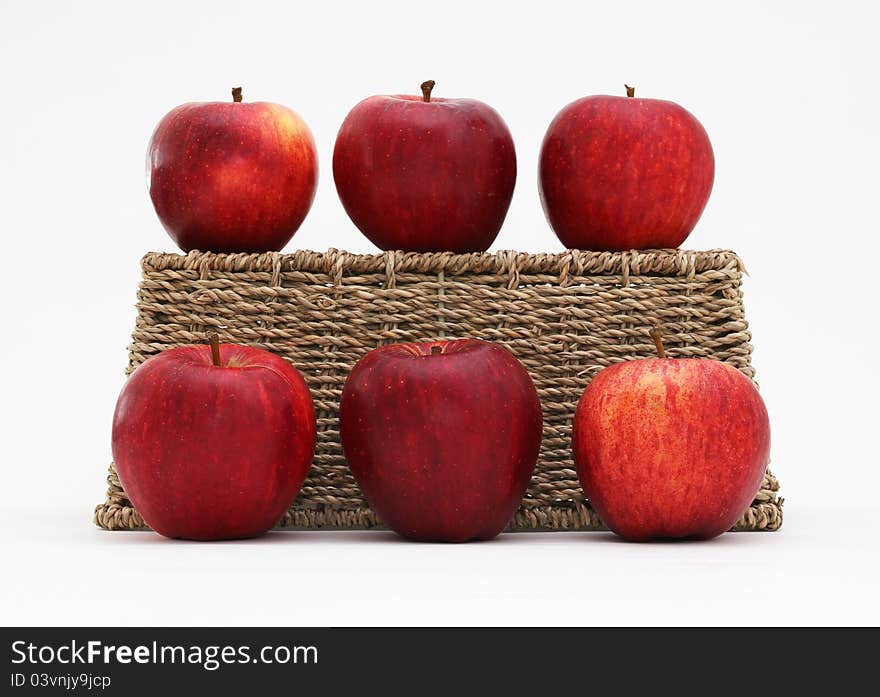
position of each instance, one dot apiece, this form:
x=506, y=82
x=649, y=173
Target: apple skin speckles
x=443, y=442
x=620, y=173
x=671, y=448
x=232, y=177
x=425, y=176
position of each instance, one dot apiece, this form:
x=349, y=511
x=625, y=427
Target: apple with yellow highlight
x=670, y=447
x=232, y=176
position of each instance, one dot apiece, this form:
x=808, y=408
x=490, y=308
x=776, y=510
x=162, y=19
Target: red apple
x=231, y=176
x=619, y=173
x=212, y=447
x=671, y=447
x=442, y=436
x=422, y=174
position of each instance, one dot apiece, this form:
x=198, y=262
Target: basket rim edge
x=657, y=262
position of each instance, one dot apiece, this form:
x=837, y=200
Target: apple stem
x=236, y=94
x=657, y=336
x=436, y=350
x=630, y=91
x=427, y=86
x=215, y=348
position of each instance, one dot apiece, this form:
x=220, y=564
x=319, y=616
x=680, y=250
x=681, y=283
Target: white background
x=787, y=92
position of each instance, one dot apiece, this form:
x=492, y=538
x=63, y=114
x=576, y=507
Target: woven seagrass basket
x=565, y=316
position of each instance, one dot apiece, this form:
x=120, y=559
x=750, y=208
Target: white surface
x=812, y=572
x=786, y=92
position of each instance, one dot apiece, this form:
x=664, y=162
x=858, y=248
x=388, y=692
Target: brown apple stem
x=236, y=94
x=657, y=336
x=630, y=91
x=436, y=350
x=426, y=90
x=215, y=348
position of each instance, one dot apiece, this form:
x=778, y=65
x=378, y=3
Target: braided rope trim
x=765, y=514
x=661, y=262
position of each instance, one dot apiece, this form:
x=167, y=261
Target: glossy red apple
x=442, y=436
x=213, y=445
x=671, y=447
x=423, y=174
x=619, y=173
x=232, y=176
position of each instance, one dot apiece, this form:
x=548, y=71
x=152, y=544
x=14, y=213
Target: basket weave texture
x=565, y=316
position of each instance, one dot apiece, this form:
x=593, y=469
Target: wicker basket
x=565, y=316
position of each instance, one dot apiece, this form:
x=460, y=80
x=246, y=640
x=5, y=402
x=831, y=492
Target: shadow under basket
x=565, y=316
